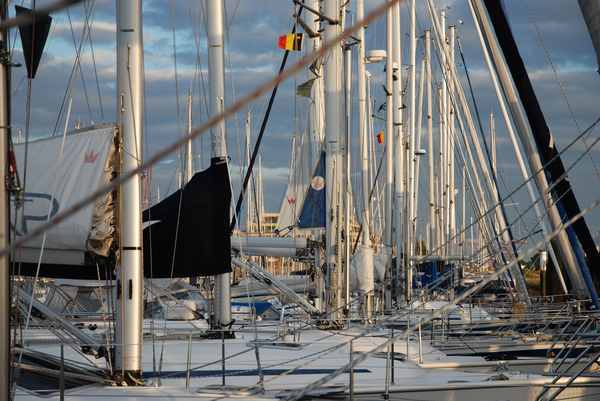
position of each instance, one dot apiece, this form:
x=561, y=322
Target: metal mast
x=216, y=73
x=365, y=269
x=430, y=157
x=410, y=231
x=443, y=227
x=347, y=168
x=398, y=152
x=5, y=301
x=451, y=130
x=389, y=147
x=130, y=100
x=333, y=121
x=518, y=154
x=561, y=242
x=249, y=197
x=189, y=165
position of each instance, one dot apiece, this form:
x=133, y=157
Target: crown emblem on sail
x=291, y=200
x=90, y=157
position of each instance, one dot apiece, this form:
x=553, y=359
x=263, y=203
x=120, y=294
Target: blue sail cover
x=313, y=209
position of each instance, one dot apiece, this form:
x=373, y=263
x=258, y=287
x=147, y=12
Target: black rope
x=263, y=126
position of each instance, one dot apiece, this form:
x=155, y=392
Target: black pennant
x=33, y=38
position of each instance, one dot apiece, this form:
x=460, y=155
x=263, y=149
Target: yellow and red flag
x=380, y=137
x=290, y=41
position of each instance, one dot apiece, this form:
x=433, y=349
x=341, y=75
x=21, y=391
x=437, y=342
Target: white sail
x=301, y=168
x=55, y=183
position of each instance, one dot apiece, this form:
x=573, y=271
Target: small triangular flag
x=33, y=38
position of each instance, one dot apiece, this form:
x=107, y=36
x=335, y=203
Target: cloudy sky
x=549, y=32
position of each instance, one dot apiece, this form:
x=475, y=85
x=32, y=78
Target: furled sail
x=188, y=233
x=58, y=176
x=591, y=14
x=313, y=209
x=301, y=167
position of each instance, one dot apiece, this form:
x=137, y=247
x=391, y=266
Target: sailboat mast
x=563, y=249
x=130, y=284
x=347, y=167
x=333, y=121
x=362, y=124
x=411, y=232
x=430, y=157
x=399, y=150
x=216, y=73
x=5, y=364
x=389, y=147
x=365, y=269
x=443, y=134
x=189, y=163
x=451, y=144
x=249, y=210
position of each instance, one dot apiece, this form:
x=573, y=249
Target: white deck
x=319, y=353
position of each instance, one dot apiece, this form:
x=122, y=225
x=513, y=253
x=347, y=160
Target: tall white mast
x=460, y=98
x=493, y=154
x=316, y=107
x=362, y=124
x=130, y=100
x=451, y=142
x=189, y=164
x=249, y=196
x=260, y=196
x=365, y=268
x=410, y=237
x=398, y=142
x=463, y=211
x=418, y=148
x=430, y=157
x=216, y=73
x=443, y=136
x=347, y=168
x=389, y=144
x=517, y=149
x=333, y=121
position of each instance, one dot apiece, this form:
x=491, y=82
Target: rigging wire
x=264, y=124
x=226, y=113
x=181, y=166
x=44, y=236
x=69, y=87
x=563, y=92
x=199, y=72
x=298, y=394
x=78, y=59
x=554, y=184
x=92, y=52
x=494, y=173
x=232, y=76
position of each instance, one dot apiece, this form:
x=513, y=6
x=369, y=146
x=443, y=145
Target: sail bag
x=188, y=233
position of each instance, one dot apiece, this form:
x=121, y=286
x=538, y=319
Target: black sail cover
x=185, y=235
x=189, y=232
